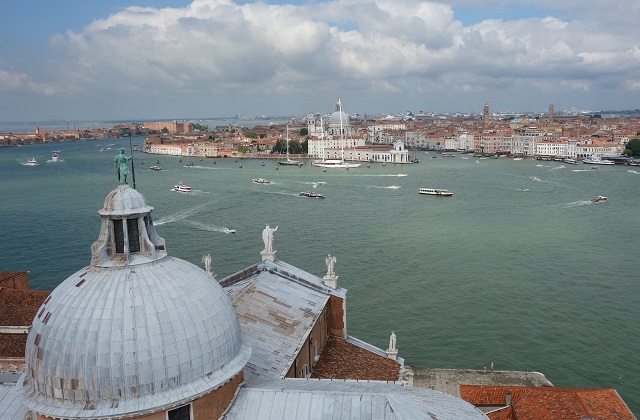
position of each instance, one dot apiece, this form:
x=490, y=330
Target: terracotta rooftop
x=19, y=307
x=542, y=403
x=5, y=275
x=342, y=360
x=13, y=345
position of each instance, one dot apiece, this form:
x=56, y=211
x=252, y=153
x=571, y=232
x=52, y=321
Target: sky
x=96, y=60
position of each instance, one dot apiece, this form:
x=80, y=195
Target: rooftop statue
x=122, y=169
x=267, y=237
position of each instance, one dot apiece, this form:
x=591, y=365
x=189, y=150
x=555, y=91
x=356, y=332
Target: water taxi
x=260, y=181
x=599, y=199
x=54, y=157
x=155, y=168
x=310, y=194
x=182, y=188
x=435, y=191
x=32, y=162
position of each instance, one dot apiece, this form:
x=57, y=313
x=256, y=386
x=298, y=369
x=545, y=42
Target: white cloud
x=217, y=50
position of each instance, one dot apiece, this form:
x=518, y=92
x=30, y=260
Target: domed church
x=138, y=334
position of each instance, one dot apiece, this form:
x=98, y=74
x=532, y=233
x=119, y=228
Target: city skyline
x=144, y=59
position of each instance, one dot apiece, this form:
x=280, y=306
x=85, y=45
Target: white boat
x=595, y=160
x=155, y=168
x=228, y=231
x=599, y=199
x=570, y=161
x=31, y=162
x=310, y=194
x=182, y=188
x=54, y=157
x=261, y=181
x=337, y=163
x=104, y=149
x=289, y=161
x=448, y=154
x=435, y=191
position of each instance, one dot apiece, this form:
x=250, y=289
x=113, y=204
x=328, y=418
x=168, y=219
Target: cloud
x=224, y=50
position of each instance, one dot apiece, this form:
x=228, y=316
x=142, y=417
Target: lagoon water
x=526, y=273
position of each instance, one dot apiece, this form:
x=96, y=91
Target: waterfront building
x=336, y=134
x=171, y=126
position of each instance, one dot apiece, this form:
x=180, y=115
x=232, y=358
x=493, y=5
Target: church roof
x=345, y=400
x=277, y=305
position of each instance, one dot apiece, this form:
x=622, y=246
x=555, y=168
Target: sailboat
x=289, y=161
x=337, y=163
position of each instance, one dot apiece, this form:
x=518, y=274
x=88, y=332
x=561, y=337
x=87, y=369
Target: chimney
x=507, y=398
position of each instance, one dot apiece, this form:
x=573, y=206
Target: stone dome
x=126, y=339
x=124, y=200
x=334, y=118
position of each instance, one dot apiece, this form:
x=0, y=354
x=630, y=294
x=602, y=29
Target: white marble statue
x=392, y=341
x=206, y=260
x=267, y=237
x=330, y=261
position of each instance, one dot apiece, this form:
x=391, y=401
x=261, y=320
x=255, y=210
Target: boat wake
x=181, y=215
x=209, y=227
x=576, y=204
x=631, y=171
x=557, y=167
x=392, y=187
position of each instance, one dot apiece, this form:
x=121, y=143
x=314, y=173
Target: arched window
x=305, y=371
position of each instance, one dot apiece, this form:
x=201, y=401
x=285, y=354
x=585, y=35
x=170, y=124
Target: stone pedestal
x=268, y=256
x=330, y=281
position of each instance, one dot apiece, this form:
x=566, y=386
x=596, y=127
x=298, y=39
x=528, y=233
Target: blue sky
x=152, y=59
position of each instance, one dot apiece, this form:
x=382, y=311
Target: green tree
x=304, y=132
x=295, y=147
x=633, y=148
x=252, y=135
x=279, y=147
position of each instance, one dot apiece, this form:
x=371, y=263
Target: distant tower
x=485, y=115
x=550, y=113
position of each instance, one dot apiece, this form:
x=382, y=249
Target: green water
x=528, y=274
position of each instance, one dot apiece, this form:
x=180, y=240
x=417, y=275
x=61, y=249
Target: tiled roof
x=548, y=402
x=12, y=345
x=19, y=307
x=342, y=360
x=5, y=275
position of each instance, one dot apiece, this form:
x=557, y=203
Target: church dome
x=126, y=339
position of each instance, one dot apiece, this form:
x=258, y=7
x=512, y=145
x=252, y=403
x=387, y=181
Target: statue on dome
x=267, y=237
x=122, y=168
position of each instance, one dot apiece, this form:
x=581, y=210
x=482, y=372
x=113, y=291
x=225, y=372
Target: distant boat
x=435, y=191
x=311, y=194
x=228, y=231
x=594, y=160
x=155, y=168
x=182, y=188
x=54, y=157
x=599, y=199
x=104, y=149
x=260, y=181
x=570, y=161
x=31, y=162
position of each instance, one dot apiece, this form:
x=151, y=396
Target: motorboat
x=288, y=161
x=261, y=181
x=571, y=161
x=182, y=188
x=311, y=194
x=104, y=149
x=435, y=191
x=599, y=199
x=54, y=157
x=228, y=231
x=535, y=178
x=155, y=168
x=31, y=162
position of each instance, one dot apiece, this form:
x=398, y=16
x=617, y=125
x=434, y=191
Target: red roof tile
x=19, y=307
x=548, y=402
x=13, y=345
x=342, y=360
